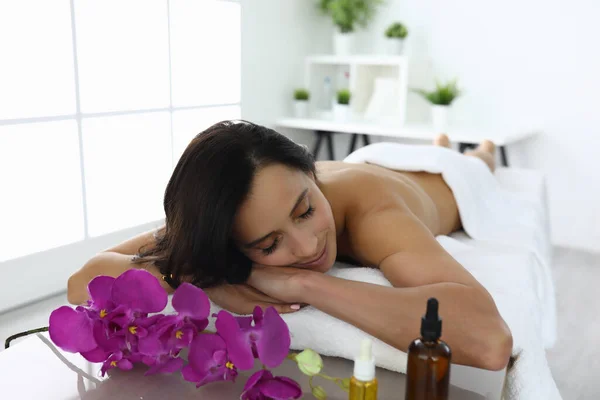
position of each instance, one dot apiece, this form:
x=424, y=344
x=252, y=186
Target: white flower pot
x=341, y=112
x=300, y=108
x=439, y=117
x=343, y=43
x=394, y=46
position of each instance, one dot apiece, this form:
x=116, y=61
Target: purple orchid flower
x=208, y=361
x=265, y=337
x=263, y=386
x=116, y=360
x=175, y=332
x=106, y=325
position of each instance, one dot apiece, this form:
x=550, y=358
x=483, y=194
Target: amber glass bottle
x=428, y=368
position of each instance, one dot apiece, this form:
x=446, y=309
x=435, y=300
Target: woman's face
x=286, y=221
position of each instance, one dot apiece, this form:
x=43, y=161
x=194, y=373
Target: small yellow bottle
x=363, y=385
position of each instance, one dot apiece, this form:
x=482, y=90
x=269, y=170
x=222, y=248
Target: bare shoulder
x=359, y=188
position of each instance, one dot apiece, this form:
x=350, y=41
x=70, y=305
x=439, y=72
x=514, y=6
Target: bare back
x=424, y=195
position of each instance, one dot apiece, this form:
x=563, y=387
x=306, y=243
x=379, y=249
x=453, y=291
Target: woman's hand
x=285, y=283
x=242, y=299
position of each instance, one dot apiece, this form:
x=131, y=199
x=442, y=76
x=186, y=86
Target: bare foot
x=487, y=146
x=486, y=151
x=442, y=140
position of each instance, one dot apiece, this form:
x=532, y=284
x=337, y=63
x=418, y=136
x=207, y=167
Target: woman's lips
x=318, y=260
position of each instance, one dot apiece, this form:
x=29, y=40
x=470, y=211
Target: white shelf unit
x=363, y=71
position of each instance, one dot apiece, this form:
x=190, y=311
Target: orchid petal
x=244, y=322
x=124, y=364
x=191, y=301
x=281, y=388
x=256, y=377
x=151, y=345
x=273, y=344
x=96, y=355
x=189, y=374
x=99, y=290
x=238, y=346
x=200, y=324
x=140, y=291
x=257, y=315
x=202, y=350
x=71, y=330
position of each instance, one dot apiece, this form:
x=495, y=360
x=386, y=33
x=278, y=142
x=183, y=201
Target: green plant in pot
x=395, y=35
x=301, y=98
x=440, y=98
x=347, y=16
x=341, y=110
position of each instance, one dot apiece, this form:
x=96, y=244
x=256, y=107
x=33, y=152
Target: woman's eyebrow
x=298, y=202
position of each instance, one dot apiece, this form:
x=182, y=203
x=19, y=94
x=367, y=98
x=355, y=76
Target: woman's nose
x=305, y=244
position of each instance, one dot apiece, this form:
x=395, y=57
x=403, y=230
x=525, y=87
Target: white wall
x=519, y=62
x=276, y=36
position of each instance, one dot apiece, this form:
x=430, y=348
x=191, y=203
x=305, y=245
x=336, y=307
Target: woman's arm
x=418, y=268
x=111, y=262
x=472, y=328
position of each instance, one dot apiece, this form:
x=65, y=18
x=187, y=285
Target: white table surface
x=456, y=134
x=35, y=369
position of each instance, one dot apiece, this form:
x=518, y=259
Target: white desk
x=35, y=369
x=465, y=137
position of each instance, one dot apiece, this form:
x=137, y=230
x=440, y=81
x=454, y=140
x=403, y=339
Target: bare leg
x=486, y=151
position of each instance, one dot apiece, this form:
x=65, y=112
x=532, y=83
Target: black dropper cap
x=431, y=324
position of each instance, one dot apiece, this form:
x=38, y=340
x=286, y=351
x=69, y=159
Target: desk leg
x=366, y=140
x=465, y=146
x=503, y=156
x=317, y=145
x=353, y=138
x=330, y=145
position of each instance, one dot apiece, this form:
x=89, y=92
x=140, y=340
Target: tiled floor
x=575, y=360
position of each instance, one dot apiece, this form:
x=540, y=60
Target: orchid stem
x=21, y=334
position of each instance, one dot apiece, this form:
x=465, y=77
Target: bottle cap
x=364, y=364
x=431, y=323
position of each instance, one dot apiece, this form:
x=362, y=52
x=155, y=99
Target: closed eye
x=308, y=213
x=271, y=248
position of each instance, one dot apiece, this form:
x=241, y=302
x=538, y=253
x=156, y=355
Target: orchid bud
x=309, y=362
x=319, y=393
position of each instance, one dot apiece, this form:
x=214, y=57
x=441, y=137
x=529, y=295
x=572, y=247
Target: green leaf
x=301, y=94
x=347, y=14
x=343, y=96
x=444, y=94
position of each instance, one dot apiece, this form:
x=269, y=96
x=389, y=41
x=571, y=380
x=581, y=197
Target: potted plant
x=346, y=16
x=341, y=110
x=395, y=35
x=441, y=98
x=301, y=97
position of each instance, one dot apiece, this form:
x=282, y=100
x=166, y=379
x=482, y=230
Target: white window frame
x=35, y=276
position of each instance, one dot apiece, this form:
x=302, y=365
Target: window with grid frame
x=97, y=102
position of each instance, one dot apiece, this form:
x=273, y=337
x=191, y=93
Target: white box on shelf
x=378, y=85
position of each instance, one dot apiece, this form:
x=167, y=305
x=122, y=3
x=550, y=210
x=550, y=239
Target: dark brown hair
x=209, y=183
